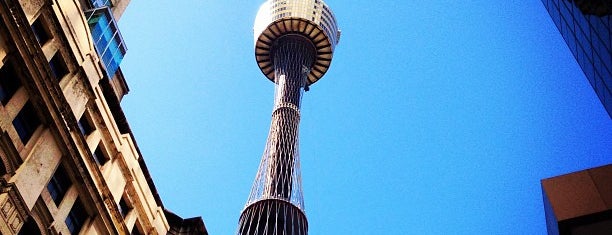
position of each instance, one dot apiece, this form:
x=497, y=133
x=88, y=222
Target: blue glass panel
x=600, y=54
x=565, y=13
x=589, y=72
x=107, y=40
x=554, y=14
x=101, y=3
x=580, y=37
x=76, y=217
x=26, y=122
x=572, y=43
x=606, y=61
x=606, y=38
x=608, y=104
x=58, y=185
x=562, y=26
x=608, y=77
x=601, y=88
x=607, y=19
x=555, y=3
x=586, y=26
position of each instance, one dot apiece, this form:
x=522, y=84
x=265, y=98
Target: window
x=29, y=227
x=99, y=156
x=135, y=230
x=107, y=39
x=607, y=101
x=40, y=31
x=101, y=3
x=124, y=208
x=85, y=125
x=76, y=218
x=58, y=66
x=2, y=168
x=9, y=82
x=26, y=122
x=58, y=185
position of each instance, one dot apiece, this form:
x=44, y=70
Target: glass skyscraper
x=586, y=26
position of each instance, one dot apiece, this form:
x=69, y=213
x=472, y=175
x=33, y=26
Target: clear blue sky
x=436, y=117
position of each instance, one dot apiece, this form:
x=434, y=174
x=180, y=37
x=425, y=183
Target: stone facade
x=69, y=162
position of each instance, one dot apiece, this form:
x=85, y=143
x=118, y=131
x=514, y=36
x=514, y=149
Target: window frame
x=59, y=184
x=9, y=70
x=26, y=122
x=77, y=216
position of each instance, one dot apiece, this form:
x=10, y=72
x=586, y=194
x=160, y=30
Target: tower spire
x=294, y=43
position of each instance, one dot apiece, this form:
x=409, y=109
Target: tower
x=294, y=45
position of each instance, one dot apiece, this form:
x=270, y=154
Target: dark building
x=579, y=203
x=180, y=226
x=586, y=25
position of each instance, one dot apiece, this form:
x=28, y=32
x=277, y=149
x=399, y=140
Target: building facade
x=579, y=203
x=69, y=161
x=586, y=26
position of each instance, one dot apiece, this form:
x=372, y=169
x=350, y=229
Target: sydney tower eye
x=294, y=45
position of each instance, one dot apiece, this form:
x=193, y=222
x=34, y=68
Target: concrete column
x=34, y=174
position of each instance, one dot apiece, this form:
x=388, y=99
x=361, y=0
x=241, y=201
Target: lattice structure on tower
x=294, y=44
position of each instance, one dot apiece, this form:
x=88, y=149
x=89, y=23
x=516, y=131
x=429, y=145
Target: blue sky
x=436, y=117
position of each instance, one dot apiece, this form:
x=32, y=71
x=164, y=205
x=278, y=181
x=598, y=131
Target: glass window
x=586, y=26
x=607, y=63
x=566, y=14
x=58, y=66
x=589, y=72
x=135, y=231
x=600, y=53
x=9, y=82
x=608, y=103
x=124, y=208
x=99, y=156
x=101, y=3
x=606, y=38
x=26, y=122
x=107, y=39
x=580, y=36
x=606, y=60
x=580, y=56
x=554, y=14
x=76, y=218
x=85, y=125
x=58, y=185
x=555, y=3
x=602, y=90
x=40, y=31
x=2, y=168
x=571, y=42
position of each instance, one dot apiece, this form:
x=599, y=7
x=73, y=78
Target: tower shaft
x=294, y=45
x=275, y=205
x=293, y=57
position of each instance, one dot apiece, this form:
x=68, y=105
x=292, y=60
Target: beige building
x=69, y=162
